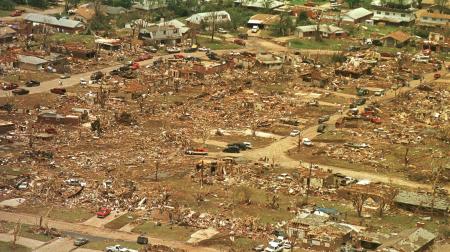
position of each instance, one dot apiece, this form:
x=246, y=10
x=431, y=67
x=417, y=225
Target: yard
x=62, y=38
x=217, y=44
x=74, y=215
x=7, y=246
x=325, y=44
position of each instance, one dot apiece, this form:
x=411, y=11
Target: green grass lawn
x=325, y=44
x=7, y=246
x=74, y=215
x=216, y=44
x=165, y=231
x=5, y=13
x=87, y=40
x=121, y=221
x=27, y=231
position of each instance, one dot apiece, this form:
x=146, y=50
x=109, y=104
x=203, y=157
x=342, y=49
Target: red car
x=9, y=86
x=144, y=57
x=16, y=13
x=239, y=42
x=134, y=66
x=375, y=120
x=178, y=56
x=59, y=91
x=103, y=212
x=437, y=75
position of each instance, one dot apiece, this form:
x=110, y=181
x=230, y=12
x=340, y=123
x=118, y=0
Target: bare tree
x=358, y=200
x=16, y=232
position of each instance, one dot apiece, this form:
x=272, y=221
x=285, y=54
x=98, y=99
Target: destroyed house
x=30, y=62
x=358, y=15
x=60, y=25
x=433, y=19
x=411, y=240
x=422, y=201
x=52, y=117
x=164, y=34
x=317, y=178
x=6, y=127
x=315, y=232
x=259, y=4
x=74, y=50
x=269, y=60
x=7, y=34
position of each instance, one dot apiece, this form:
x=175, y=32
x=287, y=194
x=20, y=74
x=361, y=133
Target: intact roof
x=264, y=19
x=322, y=28
x=45, y=19
x=202, y=15
x=409, y=240
x=399, y=36
x=435, y=15
x=422, y=199
x=33, y=60
x=358, y=13
x=260, y=4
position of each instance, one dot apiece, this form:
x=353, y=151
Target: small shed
x=7, y=34
x=358, y=15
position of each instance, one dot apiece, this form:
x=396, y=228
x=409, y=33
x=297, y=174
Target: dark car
x=324, y=118
x=150, y=49
x=80, y=241
x=142, y=240
x=192, y=58
x=59, y=91
x=114, y=72
x=20, y=91
x=32, y=83
x=97, y=75
x=232, y=149
x=360, y=101
x=212, y=56
x=9, y=86
x=321, y=128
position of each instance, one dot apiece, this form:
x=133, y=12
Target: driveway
x=100, y=222
x=59, y=244
x=26, y=242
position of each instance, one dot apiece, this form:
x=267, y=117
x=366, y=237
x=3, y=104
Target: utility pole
x=308, y=182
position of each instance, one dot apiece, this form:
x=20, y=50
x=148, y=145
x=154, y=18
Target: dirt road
x=51, y=11
x=95, y=231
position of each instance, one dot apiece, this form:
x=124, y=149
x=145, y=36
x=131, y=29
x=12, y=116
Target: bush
x=422, y=33
x=7, y=5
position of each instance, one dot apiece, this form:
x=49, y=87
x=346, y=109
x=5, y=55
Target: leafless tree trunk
x=16, y=232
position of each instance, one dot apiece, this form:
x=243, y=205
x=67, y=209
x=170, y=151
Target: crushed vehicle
x=103, y=212
x=20, y=91
x=197, y=151
x=32, y=83
x=9, y=86
x=97, y=75
x=324, y=118
x=59, y=91
x=119, y=248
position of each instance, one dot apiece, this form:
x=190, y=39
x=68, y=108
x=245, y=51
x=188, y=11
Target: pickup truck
x=118, y=248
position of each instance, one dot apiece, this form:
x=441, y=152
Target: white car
x=307, y=142
x=248, y=145
x=203, y=49
x=294, y=133
x=271, y=248
x=222, y=31
x=118, y=248
x=83, y=81
x=255, y=29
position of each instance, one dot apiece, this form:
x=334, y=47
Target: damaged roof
x=409, y=240
x=398, y=36
x=45, y=19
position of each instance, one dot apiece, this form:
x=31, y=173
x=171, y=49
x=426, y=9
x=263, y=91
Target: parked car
x=80, y=241
x=134, y=66
x=239, y=42
x=241, y=146
x=324, y=118
x=143, y=57
x=118, y=248
x=83, y=81
x=255, y=29
x=259, y=248
x=150, y=49
x=360, y=101
x=178, y=56
x=222, y=31
x=142, y=240
x=232, y=149
x=9, y=86
x=307, y=142
x=321, y=128
x=20, y=91
x=173, y=50
x=197, y=151
x=204, y=49
x=212, y=55
x=16, y=13
x=97, y=75
x=376, y=120
x=64, y=76
x=103, y=212
x=59, y=91
x=294, y=133
x=32, y=83
x=74, y=182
